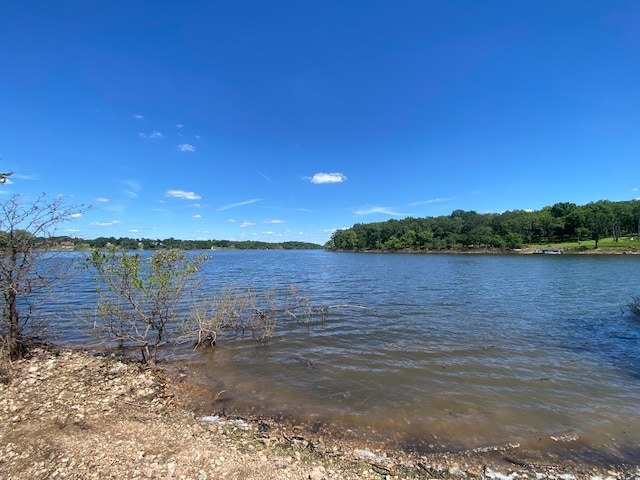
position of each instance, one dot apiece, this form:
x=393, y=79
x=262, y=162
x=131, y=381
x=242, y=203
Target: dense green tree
x=600, y=220
x=563, y=221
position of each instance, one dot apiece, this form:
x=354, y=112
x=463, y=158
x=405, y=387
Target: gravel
x=74, y=415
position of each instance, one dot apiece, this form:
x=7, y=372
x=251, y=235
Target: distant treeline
x=562, y=222
x=151, y=244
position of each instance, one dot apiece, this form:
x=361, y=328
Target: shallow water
x=452, y=351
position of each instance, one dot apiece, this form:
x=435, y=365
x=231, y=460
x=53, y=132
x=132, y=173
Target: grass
x=623, y=242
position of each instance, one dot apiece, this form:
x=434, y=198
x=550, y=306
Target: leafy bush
x=139, y=297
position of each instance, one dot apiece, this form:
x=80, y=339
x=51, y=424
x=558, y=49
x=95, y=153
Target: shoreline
x=75, y=414
x=517, y=251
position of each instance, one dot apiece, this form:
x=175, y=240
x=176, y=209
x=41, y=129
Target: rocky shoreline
x=75, y=415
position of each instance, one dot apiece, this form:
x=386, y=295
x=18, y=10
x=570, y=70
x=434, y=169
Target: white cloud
x=239, y=204
x=105, y=224
x=433, y=200
x=182, y=194
x=185, y=147
x=179, y=125
x=76, y=215
x=7, y=181
x=197, y=137
x=246, y=224
x=274, y=221
x=231, y=220
x=134, y=230
x=102, y=200
x=135, y=115
x=196, y=216
x=383, y=210
x=331, y=230
x=153, y=134
x=320, y=178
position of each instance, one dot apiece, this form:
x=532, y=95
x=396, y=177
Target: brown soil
x=73, y=415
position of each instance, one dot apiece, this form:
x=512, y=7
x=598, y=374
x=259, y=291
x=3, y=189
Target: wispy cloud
x=185, y=147
x=239, y=204
x=433, y=200
x=116, y=207
x=138, y=116
x=102, y=200
x=105, y=224
x=179, y=125
x=132, y=188
x=321, y=178
x=23, y=177
x=76, y=215
x=382, y=210
x=273, y=221
x=153, y=134
x=196, y=216
x=246, y=224
x=182, y=195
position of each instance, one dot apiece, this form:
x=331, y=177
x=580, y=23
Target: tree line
x=561, y=222
x=127, y=243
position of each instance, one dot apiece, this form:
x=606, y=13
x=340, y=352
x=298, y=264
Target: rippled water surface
x=457, y=350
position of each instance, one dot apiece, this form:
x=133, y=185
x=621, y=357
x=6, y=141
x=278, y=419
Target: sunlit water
x=453, y=351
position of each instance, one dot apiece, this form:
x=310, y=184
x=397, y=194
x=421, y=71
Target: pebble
x=318, y=473
x=144, y=442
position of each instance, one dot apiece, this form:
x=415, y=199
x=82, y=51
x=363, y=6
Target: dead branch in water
x=247, y=311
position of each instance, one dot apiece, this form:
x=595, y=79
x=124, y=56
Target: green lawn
x=623, y=242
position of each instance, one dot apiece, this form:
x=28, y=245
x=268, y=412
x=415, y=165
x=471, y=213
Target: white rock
x=318, y=473
x=498, y=475
x=210, y=418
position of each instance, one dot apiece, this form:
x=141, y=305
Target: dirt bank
x=74, y=415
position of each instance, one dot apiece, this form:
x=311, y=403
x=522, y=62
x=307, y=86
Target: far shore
x=516, y=251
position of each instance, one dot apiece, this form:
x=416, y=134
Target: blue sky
x=286, y=120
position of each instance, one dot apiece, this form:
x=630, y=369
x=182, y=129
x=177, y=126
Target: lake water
x=452, y=351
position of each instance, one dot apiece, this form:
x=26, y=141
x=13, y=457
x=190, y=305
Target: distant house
x=67, y=245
